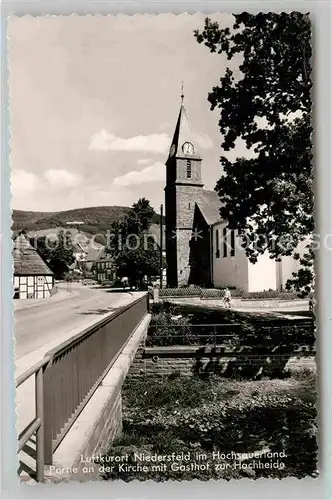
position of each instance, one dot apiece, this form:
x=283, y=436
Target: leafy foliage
x=57, y=253
x=135, y=251
x=167, y=331
x=268, y=196
x=264, y=337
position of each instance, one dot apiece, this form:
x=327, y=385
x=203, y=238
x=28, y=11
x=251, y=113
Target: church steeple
x=184, y=142
x=183, y=189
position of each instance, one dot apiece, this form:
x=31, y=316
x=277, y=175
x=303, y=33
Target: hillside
x=95, y=219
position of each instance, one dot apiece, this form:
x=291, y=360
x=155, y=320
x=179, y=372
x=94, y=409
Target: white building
x=231, y=266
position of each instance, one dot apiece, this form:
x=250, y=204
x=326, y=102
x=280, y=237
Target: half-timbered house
x=33, y=279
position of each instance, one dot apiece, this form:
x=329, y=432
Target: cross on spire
x=182, y=95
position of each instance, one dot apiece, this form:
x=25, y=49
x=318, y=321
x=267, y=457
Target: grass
x=144, y=393
x=140, y=392
x=180, y=415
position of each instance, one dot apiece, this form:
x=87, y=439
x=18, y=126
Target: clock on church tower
x=188, y=148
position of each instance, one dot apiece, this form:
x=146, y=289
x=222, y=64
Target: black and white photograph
x=164, y=243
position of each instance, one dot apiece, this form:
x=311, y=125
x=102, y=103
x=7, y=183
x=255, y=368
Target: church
x=200, y=249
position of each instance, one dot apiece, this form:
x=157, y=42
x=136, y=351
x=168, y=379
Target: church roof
x=27, y=260
x=209, y=206
x=183, y=133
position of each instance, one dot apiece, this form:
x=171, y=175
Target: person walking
x=227, y=298
x=124, y=281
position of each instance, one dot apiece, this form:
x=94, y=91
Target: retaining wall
x=192, y=360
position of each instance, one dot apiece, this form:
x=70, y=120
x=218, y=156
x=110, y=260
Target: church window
x=217, y=244
x=232, y=243
x=188, y=169
x=224, y=237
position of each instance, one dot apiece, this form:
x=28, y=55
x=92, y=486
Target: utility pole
x=161, y=246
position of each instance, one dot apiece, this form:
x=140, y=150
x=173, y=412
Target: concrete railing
x=69, y=375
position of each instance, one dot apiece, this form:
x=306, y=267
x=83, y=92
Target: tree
x=267, y=196
x=135, y=264
x=57, y=253
x=134, y=251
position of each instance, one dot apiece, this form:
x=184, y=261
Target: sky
x=94, y=102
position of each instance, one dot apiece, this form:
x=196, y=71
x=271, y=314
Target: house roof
x=78, y=248
x=73, y=266
x=209, y=206
x=95, y=253
x=27, y=260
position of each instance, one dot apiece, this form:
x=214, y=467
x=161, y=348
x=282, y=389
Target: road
x=43, y=324
x=50, y=321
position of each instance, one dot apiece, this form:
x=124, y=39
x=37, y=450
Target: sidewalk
x=61, y=294
x=254, y=307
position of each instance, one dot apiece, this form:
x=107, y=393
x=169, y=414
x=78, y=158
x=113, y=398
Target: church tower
x=183, y=188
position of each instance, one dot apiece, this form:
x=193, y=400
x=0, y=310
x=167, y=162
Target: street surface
x=50, y=320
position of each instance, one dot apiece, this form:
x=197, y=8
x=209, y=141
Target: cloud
x=153, y=173
x=62, y=179
x=23, y=183
x=203, y=141
x=144, y=161
x=153, y=143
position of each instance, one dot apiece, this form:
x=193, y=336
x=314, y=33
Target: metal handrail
x=214, y=337
x=38, y=423
x=31, y=371
x=75, y=339
x=35, y=424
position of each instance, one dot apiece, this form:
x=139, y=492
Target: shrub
x=191, y=291
x=166, y=331
x=210, y=293
x=163, y=307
